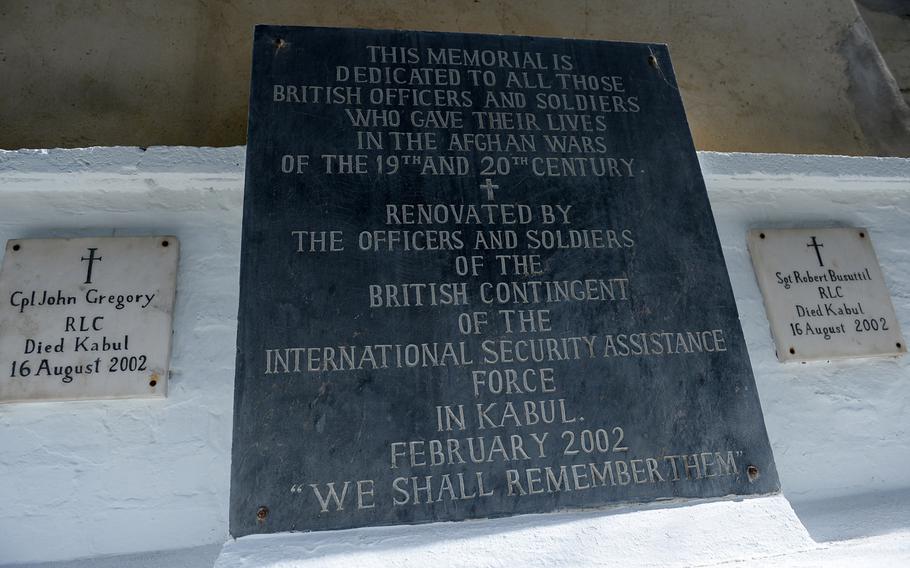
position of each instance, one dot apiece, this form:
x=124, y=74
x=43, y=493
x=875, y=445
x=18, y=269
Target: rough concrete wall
x=91, y=478
x=763, y=75
x=889, y=21
x=881, y=110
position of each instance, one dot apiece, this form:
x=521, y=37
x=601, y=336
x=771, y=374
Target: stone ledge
x=703, y=534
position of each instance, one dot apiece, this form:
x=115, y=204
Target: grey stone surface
x=632, y=384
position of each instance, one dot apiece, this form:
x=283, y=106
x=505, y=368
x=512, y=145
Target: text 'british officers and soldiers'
x=468, y=257
x=457, y=113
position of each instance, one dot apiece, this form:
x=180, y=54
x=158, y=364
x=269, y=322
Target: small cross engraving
x=488, y=185
x=814, y=244
x=91, y=258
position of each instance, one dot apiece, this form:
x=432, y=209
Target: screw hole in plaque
x=165, y=243
x=17, y=247
x=761, y=235
x=752, y=472
x=262, y=514
x=792, y=351
x=862, y=235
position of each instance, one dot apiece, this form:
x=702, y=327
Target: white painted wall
x=664, y=536
x=91, y=478
x=82, y=479
x=836, y=428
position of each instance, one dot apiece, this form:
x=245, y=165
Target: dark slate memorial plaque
x=480, y=277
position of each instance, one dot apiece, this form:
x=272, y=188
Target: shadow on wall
x=856, y=516
x=880, y=107
x=198, y=557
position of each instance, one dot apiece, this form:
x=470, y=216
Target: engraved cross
x=91, y=258
x=488, y=185
x=815, y=244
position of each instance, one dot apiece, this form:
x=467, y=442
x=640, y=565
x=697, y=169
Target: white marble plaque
x=824, y=294
x=86, y=318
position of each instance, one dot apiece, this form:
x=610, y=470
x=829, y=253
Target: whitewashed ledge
x=838, y=430
x=705, y=534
